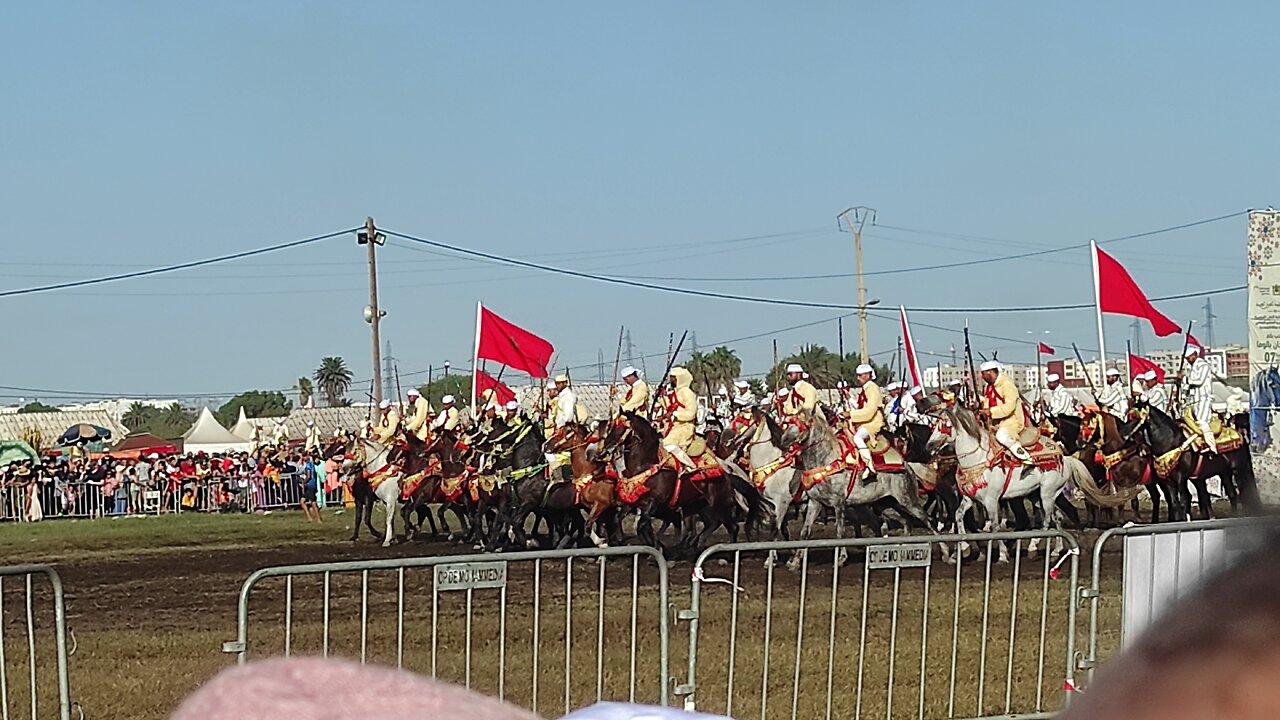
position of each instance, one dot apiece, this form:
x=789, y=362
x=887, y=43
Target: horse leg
x=810, y=517
x=369, y=502
x=355, y=522
x=842, y=555
x=392, y=506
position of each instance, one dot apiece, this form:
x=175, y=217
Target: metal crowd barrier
x=33, y=637
x=1156, y=565
x=550, y=631
x=895, y=637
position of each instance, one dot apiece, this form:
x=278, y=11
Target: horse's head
x=566, y=438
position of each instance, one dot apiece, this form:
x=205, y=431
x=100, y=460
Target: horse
x=435, y=489
x=989, y=485
x=529, y=492
x=657, y=491
x=361, y=491
x=822, y=459
x=593, y=480
x=372, y=461
x=1115, y=461
x=771, y=469
x=1163, y=436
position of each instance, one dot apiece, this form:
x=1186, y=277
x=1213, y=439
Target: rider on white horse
x=1004, y=407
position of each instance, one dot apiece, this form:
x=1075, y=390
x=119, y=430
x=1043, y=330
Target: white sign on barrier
x=471, y=576
x=899, y=556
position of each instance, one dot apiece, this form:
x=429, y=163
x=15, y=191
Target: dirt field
x=150, y=602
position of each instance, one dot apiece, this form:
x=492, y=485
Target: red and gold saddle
x=705, y=467
x=1046, y=455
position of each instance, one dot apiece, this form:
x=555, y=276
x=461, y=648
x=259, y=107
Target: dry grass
x=141, y=651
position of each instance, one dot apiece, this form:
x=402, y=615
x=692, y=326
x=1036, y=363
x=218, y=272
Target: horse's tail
x=1246, y=481
x=1079, y=478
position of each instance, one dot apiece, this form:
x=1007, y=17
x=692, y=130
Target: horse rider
x=281, y=435
x=636, y=398
x=844, y=398
x=1115, y=396
x=680, y=410
x=742, y=393
x=388, y=425
x=910, y=407
x=1060, y=400
x=1153, y=393
x=866, y=417
x=449, y=418
x=724, y=408
x=1198, y=377
x=1004, y=407
x=419, y=423
x=565, y=409
x=312, y=443
x=803, y=396
x=954, y=394
x=893, y=405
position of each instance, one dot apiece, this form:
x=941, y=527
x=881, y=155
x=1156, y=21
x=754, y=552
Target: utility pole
x=854, y=219
x=1208, y=322
x=372, y=314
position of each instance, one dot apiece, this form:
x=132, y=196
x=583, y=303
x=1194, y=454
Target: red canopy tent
x=141, y=445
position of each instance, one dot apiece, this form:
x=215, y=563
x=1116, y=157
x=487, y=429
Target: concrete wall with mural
x=1264, y=345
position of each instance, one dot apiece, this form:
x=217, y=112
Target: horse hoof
x=477, y=546
x=531, y=544
x=386, y=543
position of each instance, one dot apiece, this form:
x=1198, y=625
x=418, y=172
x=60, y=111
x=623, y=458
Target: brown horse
x=663, y=495
x=594, y=480
x=1117, y=465
x=438, y=488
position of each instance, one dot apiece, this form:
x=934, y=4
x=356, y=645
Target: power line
x=172, y=268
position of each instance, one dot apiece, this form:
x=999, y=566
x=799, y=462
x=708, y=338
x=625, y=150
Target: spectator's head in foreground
x=1215, y=654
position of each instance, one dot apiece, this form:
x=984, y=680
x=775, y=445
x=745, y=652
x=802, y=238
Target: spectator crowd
x=106, y=486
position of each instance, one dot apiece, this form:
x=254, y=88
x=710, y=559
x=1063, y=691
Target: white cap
x=562, y=378
x=865, y=369
x=916, y=390
x=1113, y=371
x=723, y=390
x=804, y=375
x=1192, y=349
x=513, y=405
x=311, y=423
x=955, y=383
x=446, y=400
x=895, y=385
x=842, y=385
x=990, y=365
x=741, y=384
x=1052, y=377
x=783, y=392
x=794, y=368
x=413, y=392
x=1149, y=375
x=385, y=404
x=740, y=401
x=628, y=371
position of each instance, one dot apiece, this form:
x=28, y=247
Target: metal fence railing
x=546, y=630
x=33, y=639
x=894, y=638
x=1155, y=565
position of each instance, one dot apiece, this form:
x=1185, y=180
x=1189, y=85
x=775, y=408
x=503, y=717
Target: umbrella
x=82, y=433
x=12, y=451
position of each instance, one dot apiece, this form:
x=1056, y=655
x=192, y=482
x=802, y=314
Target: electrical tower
x=693, y=342
x=1208, y=322
x=600, y=365
x=629, y=350
x=1136, y=327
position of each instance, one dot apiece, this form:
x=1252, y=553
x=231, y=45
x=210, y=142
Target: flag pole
x=1040, y=383
x=475, y=357
x=1097, y=306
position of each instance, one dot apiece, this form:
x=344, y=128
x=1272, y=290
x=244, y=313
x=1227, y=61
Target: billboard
x=1264, y=344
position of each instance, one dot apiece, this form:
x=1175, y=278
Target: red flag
x=1139, y=365
x=518, y=349
x=910, y=346
x=1046, y=350
x=1119, y=294
x=501, y=393
x=1193, y=342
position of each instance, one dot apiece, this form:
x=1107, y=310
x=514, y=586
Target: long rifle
x=396, y=369
x=973, y=375
x=1176, y=402
x=1087, y=376
x=617, y=358
x=777, y=376
x=666, y=374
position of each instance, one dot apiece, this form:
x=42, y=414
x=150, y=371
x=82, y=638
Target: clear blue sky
x=140, y=134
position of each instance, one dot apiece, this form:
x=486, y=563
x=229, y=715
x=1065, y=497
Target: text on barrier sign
x=471, y=576
x=899, y=556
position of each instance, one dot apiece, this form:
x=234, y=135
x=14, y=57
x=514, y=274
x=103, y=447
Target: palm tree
x=822, y=365
x=724, y=366
x=305, y=391
x=333, y=378
x=136, y=416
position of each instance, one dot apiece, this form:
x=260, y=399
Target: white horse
x=765, y=458
x=974, y=454
x=371, y=459
x=822, y=450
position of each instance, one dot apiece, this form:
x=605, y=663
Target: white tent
x=207, y=436
x=244, y=427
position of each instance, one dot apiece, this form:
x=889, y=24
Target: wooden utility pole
x=372, y=315
x=854, y=219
